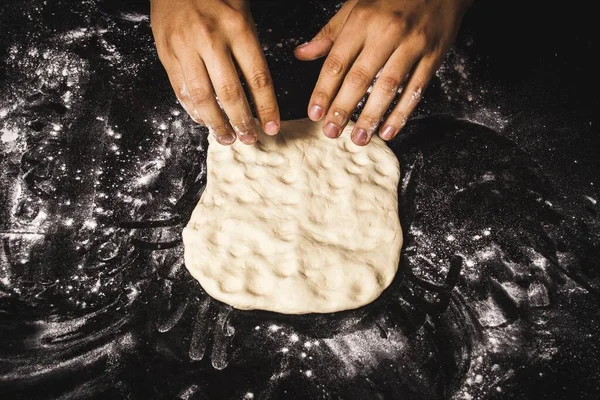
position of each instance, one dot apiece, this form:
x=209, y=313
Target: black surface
x=497, y=293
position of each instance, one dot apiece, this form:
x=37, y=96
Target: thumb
x=319, y=45
x=323, y=41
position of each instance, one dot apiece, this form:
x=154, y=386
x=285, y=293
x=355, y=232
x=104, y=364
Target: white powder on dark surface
x=8, y=134
x=518, y=316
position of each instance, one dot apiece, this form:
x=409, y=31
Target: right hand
x=197, y=42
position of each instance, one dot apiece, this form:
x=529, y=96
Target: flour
x=8, y=135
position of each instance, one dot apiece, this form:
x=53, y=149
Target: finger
x=336, y=65
x=385, y=89
x=232, y=98
x=319, y=45
x=252, y=63
x=410, y=97
x=202, y=97
x=355, y=85
x=322, y=43
x=175, y=76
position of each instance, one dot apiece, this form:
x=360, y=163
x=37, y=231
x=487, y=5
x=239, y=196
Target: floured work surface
x=297, y=223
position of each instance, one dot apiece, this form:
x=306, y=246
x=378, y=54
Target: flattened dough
x=297, y=223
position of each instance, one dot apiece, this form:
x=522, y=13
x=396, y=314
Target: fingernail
x=271, y=128
x=387, y=132
x=315, y=113
x=331, y=130
x=302, y=45
x=226, y=139
x=359, y=136
x=249, y=138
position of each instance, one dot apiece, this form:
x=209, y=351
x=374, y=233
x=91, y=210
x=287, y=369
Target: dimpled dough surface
x=297, y=223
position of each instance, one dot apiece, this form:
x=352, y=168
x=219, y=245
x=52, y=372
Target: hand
x=197, y=42
x=405, y=41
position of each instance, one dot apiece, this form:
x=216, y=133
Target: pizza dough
x=297, y=223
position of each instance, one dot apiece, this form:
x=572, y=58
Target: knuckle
x=244, y=126
x=403, y=20
x=186, y=37
x=200, y=96
x=220, y=127
x=397, y=18
x=204, y=28
x=325, y=32
x=229, y=92
x=236, y=22
x=267, y=109
x=358, y=78
x=236, y=19
x=361, y=13
x=334, y=65
x=369, y=121
x=178, y=88
x=389, y=85
x=399, y=117
x=339, y=115
x=178, y=38
x=260, y=80
x=321, y=98
x=396, y=26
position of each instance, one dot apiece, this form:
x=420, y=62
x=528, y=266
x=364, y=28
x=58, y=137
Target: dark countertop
x=498, y=289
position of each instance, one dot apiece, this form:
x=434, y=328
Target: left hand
x=404, y=39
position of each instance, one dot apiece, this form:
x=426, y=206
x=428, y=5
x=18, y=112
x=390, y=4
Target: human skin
x=398, y=43
x=198, y=43
x=404, y=39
